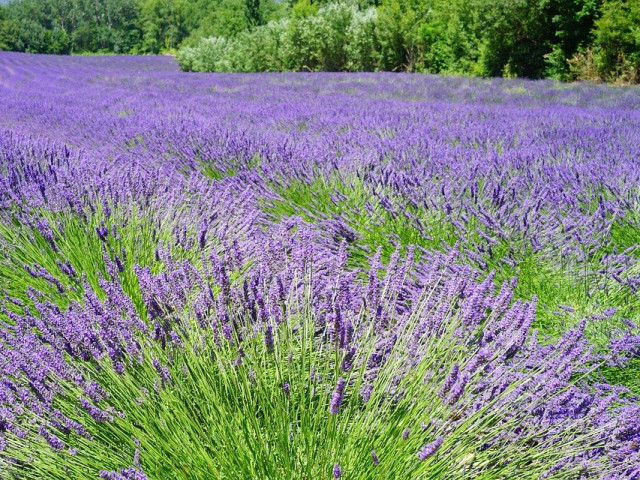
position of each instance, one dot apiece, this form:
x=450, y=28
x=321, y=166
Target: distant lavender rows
x=515, y=169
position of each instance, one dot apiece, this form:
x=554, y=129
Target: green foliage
x=164, y=24
x=521, y=38
x=253, y=13
x=517, y=37
x=452, y=38
x=303, y=9
x=617, y=40
x=8, y=30
x=363, y=48
x=394, y=29
x=312, y=39
x=562, y=39
x=224, y=18
x=573, y=21
x=65, y=26
x=125, y=26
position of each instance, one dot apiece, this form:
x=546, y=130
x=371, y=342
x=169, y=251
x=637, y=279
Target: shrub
x=334, y=37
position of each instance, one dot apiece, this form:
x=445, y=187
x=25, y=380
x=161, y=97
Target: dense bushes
x=395, y=36
x=562, y=39
x=566, y=40
x=337, y=37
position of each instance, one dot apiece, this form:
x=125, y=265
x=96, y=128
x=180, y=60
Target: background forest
x=562, y=39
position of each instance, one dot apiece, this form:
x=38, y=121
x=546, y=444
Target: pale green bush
x=336, y=37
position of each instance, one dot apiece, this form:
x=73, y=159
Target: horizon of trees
x=125, y=26
x=563, y=39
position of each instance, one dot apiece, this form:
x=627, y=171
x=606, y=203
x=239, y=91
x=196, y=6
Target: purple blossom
x=430, y=449
x=130, y=473
x=268, y=338
x=337, y=396
x=51, y=439
x=450, y=380
x=365, y=392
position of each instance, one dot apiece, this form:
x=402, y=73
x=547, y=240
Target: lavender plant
x=285, y=378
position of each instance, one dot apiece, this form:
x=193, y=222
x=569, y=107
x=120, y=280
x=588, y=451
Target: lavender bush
x=314, y=276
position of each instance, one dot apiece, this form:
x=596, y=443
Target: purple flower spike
x=430, y=449
x=450, y=380
x=337, y=396
x=268, y=338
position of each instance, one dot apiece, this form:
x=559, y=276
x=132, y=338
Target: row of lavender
x=312, y=276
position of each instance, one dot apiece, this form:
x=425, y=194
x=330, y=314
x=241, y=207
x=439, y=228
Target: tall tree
x=617, y=40
x=252, y=13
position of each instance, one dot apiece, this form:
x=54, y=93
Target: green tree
x=573, y=22
x=617, y=40
x=164, y=24
x=252, y=13
x=396, y=34
x=224, y=18
x=65, y=26
x=517, y=36
x=9, y=31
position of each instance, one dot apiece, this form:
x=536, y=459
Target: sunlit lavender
x=315, y=276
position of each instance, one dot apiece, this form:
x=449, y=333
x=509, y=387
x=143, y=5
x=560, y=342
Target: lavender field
x=315, y=276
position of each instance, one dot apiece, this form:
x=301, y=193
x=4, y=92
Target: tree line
x=125, y=26
x=563, y=39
